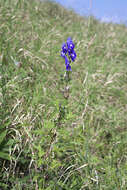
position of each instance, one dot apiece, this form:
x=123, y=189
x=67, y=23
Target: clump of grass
x=88, y=149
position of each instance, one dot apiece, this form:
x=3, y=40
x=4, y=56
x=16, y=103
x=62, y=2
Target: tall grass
x=88, y=149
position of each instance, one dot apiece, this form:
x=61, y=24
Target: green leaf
x=4, y=155
x=2, y=136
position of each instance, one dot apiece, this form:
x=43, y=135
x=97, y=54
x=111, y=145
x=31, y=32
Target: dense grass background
x=87, y=149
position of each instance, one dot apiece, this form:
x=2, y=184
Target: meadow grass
x=87, y=148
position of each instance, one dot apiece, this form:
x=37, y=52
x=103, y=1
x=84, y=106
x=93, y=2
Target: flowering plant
x=68, y=53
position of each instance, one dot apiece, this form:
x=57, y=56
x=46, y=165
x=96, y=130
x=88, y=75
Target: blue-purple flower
x=68, y=67
x=73, y=55
x=64, y=48
x=68, y=53
x=70, y=44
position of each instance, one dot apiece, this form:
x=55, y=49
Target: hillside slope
x=53, y=142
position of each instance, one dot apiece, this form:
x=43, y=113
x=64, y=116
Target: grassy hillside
x=49, y=141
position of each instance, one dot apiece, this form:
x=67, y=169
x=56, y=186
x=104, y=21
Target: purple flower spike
x=68, y=53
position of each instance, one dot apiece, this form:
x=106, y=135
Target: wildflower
x=63, y=54
x=73, y=55
x=70, y=44
x=64, y=48
x=66, y=61
x=68, y=53
x=68, y=67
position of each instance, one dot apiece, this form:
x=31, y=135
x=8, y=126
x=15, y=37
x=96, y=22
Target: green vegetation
x=81, y=145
